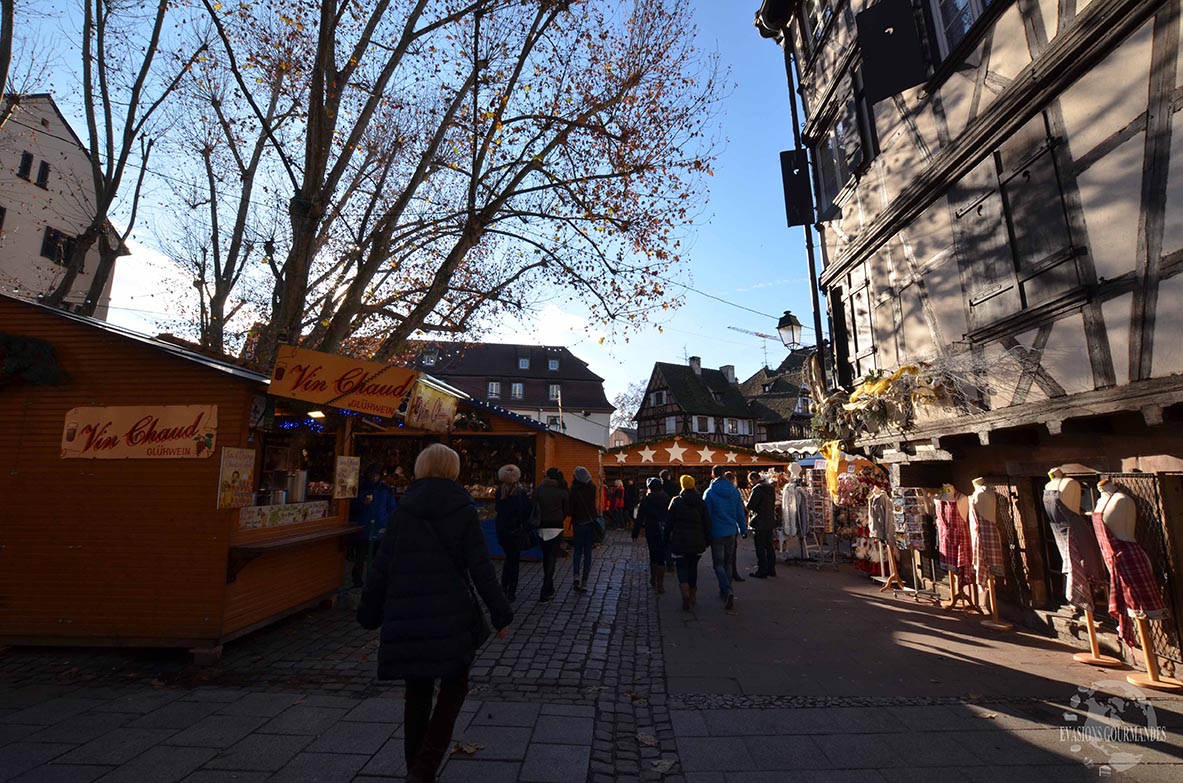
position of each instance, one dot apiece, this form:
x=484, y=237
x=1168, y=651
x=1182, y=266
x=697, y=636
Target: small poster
x=431, y=410
x=345, y=477
x=140, y=432
x=236, y=480
x=262, y=413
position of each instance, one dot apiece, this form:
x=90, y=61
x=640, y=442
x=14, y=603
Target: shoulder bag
x=481, y=629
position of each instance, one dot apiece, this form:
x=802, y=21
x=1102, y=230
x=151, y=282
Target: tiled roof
x=693, y=392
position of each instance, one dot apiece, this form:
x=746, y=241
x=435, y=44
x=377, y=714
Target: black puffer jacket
x=688, y=528
x=762, y=504
x=554, y=502
x=583, y=502
x=415, y=590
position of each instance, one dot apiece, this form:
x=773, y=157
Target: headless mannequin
x=1070, y=494
x=957, y=590
x=886, y=550
x=984, y=504
x=1119, y=512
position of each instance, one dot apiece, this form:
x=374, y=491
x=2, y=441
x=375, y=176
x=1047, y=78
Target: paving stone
x=53, y=711
x=344, y=737
x=320, y=768
x=226, y=776
x=221, y=695
x=161, y=764
x=217, y=731
x=390, y=761
x=16, y=731
x=117, y=747
x=785, y=753
x=62, y=773
x=472, y=770
x=30, y=695
x=689, y=723
x=500, y=743
x=862, y=751
x=263, y=705
x=554, y=764
x=177, y=715
x=507, y=714
x=303, y=720
x=20, y=757
x=141, y=702
x=377, y=710
x=715, y=754
x=568, y=710
x=260, y=752
x=82, y=728
x=563, y=730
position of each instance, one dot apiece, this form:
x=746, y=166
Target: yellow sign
x=339, y=381
x=431, y=409
x=140, y=432
x=236, y=480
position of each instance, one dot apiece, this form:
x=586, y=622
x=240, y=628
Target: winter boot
x=686, y=600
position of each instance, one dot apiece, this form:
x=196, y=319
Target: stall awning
x=690, y=452
x=804, y=446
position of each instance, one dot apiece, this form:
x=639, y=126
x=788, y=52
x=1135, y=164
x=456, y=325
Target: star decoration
x=621, y=457
x=676, y=452
x=731, y=456
x=647, y=454
x=755, y=459
x=705, y=454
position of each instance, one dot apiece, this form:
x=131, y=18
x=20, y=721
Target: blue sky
x=741, y=251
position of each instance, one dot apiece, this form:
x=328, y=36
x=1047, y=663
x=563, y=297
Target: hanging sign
x=140, y=432
x=339, y=381
x=236, y=479
x=431, y=409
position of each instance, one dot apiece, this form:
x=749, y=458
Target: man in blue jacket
x=371, y=511
x=728, y=519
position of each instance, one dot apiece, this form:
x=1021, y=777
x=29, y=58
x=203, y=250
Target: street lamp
x=789, y=329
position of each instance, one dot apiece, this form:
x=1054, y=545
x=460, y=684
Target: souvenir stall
x=186, y=507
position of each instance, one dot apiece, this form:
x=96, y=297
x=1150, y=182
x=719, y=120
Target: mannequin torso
x=1069, y=489
x=1120, y=514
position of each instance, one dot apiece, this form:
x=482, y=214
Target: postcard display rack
x=821, y=548
x=909, y=506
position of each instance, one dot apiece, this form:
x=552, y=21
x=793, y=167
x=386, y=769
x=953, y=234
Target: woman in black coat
x=418, y=591
x=513, y=514
x=652, y=514
x=688, y=532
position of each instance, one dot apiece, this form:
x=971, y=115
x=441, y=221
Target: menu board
x=236, y=479
x=345, y=477
x=255, y=517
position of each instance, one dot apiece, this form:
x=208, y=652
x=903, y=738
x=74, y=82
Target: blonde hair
x=437, y=461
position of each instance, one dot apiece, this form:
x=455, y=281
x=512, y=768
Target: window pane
x=955, y=17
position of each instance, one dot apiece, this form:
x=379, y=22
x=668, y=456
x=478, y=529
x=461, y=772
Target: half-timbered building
x=997, y=190
x=689, y=399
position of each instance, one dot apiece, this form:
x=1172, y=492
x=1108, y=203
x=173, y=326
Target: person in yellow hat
x=687, y=531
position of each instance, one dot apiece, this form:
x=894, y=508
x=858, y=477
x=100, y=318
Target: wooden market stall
x=152, y=495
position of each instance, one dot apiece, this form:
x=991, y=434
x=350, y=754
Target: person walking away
x=672, y=489
x=688, y=530
x=614, y=502
x=652, y=516
x=632, y=496
x=728, y=520
x=762, y=506
x=554, y=506
x=735, y=577
x=583, y=523
x=370, y=511
x=513, y=513
x=422, y=592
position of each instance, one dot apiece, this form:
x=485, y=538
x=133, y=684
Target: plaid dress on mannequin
x=1133, y=590
x=987, y=547
x=953, y=538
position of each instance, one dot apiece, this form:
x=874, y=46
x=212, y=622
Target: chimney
x=728, y=371
x=696, y=364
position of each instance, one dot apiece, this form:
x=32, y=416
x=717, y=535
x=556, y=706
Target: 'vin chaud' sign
x=140, y=432
x=340, y=381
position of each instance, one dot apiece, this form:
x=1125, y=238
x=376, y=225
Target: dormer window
x=717, y=397
x=552, y=365
x=767, y=387
x=523, y=362
x=25, y=169
x=430, y=358
x=43, y=175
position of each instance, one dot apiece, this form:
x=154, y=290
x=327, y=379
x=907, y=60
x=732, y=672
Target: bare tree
x=627, y=403
x=461, y=155
x=7, y=17
x=121, y=92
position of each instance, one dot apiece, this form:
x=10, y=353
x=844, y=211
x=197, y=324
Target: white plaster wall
x=1116, y=313
x=1112, y=222
x=1009, y=52
x=1172, y=239
x=1168, y=328
x=594, y=428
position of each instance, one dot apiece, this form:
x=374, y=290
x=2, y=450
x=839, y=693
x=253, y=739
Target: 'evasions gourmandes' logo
x=1109, y=724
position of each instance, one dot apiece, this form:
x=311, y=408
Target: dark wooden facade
x=698, y=402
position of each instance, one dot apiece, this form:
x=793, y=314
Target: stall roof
x=170, y=348
x=520, y=419
x=803, y=446
x=685, y=451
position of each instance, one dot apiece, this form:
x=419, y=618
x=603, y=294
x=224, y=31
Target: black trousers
x=550, y=553
x=687, y=570
x=734, y=549
x=428, y=731
x=765, y=552
x=510, y=569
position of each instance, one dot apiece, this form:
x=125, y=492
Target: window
x=847, y=146
x=515, y=390
x=658, y=397
x=732, y=427
x=523, y=362
x=430, y=358
x=815, y=14
x=554, y=421
x=58, y=247
x=553, y=392
x=703, y=424
x=766, y=388
x=26, y=167
x=3, y=213
x=494, y=390
x=671, y=425
x=43, y=174
x=552, y=365
x=1017, y=196
x=952, y=20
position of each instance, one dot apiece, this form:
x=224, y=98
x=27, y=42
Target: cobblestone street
x=814, y=677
